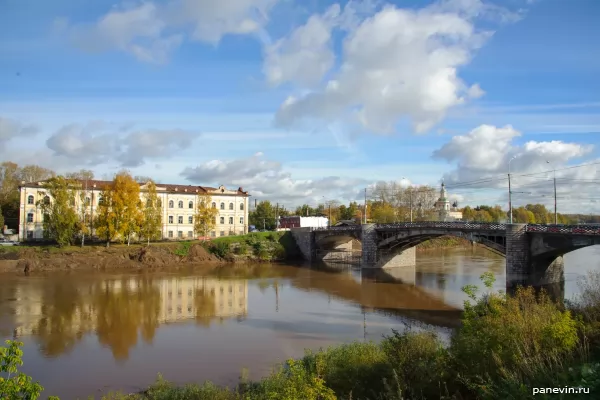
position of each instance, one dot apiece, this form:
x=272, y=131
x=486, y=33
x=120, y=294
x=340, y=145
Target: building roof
x=160, y=187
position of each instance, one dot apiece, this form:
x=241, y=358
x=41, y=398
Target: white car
x=6, y=242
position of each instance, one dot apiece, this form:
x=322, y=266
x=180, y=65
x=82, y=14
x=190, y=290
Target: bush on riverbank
x=264, y=246
x=505, y=347
x=444, y=242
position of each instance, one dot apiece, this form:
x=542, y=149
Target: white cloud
x=398, y=63
x=482, y=157
x=267, y=180
x=99, y=143
x=150, y=31
x=11, y=129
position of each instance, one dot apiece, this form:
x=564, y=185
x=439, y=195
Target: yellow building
x=178, y=203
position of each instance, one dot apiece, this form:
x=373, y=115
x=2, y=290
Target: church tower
x=443, y=204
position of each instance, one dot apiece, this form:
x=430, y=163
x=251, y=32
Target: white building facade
x=178, y=204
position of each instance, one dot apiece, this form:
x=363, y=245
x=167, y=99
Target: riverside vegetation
x=506, y=346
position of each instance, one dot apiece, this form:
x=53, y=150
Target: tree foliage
x=263, y=217
x=106, y=221
x=206, y=214
x=81, y=175
x=61, y=222
x=126, y=206
x=152, y=214
x=16, y=385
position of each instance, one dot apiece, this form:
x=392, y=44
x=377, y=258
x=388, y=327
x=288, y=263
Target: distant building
x=286, y=223
x=445, y=211
x=178, y=204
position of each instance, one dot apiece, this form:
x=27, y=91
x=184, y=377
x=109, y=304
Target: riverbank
x=518, y=347
x=254, y=247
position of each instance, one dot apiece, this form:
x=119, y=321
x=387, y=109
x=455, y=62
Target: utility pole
x=555, y=212
x=365, y=208
x=510, y=212
x=411, y=206
x=329, y=222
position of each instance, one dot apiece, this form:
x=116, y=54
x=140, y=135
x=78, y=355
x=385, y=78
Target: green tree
x=205, y=219
x=263, y=216
x=16, y=385
x=1, y=218
x=9, y=193
x=126, y=206
x=61, y=222
x=152, y=221
x=106, y=220
x=34, y=173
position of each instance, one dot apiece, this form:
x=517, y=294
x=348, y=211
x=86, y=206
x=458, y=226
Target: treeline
x=122, y=213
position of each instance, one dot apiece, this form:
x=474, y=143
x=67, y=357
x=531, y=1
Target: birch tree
x=206, y=214
x=152, y=214
x=106, y=220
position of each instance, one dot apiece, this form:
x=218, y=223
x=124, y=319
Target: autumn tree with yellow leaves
x=61, y=222
x=206, y=214
x=126, y=206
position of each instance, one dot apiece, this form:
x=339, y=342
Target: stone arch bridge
x=534, y=253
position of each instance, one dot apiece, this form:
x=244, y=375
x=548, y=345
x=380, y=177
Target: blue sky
x=189, y=91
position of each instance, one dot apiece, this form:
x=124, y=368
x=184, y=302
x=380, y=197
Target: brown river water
x=86, y=333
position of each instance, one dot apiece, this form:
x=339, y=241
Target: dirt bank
x=98, y=257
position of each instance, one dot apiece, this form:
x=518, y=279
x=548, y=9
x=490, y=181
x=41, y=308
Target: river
x=89, y=332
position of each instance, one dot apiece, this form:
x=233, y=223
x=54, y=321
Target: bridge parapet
x=444, y=225
x=564, y=229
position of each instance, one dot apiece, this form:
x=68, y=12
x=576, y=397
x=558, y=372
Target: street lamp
x=406, y=184
x=510, y=213
x=554, y=173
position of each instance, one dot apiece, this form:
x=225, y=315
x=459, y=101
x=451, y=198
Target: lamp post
x=554, y=175
x=510, y=213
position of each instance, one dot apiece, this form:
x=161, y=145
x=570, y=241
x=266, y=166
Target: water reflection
x=60, y=312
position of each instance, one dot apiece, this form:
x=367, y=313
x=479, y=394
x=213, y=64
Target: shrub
x=16, y=385
x=502, y=333
x=419, y=362
x=183, y=249
x=264, y=254
x=278, y=251
x=241, y=249
x=220, y=249
x=354, y=370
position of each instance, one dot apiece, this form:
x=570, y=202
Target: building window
x=241, y=206
x=242, y=220
x=29, y=234
x=222, y=233
x=190, y=234
x=46, y=217
x=148, y=203
x=30, y=199
x=46, y=200
x=231, y=233
x=222, y=220
x=213, y=233
x=231, y=206
x=170, y=234
x=180, y=219
x=88, y=201
x=190, y=220
x=170, y=219
x=30, y=217
x=230, y=220
x=214, y=205
x=159, y=203
x=222, y=206
x=171, y=204
x=180, y=204
x=180, y=234
x=191, y=204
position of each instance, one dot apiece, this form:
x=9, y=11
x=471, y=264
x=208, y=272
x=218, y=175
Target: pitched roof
x=169, y=188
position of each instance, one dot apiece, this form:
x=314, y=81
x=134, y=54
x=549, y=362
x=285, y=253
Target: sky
x=300, y=101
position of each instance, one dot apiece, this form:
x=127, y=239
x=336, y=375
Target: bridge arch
x=403, y=241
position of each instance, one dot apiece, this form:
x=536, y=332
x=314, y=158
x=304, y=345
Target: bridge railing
x=475, y=226
x=569, y=229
